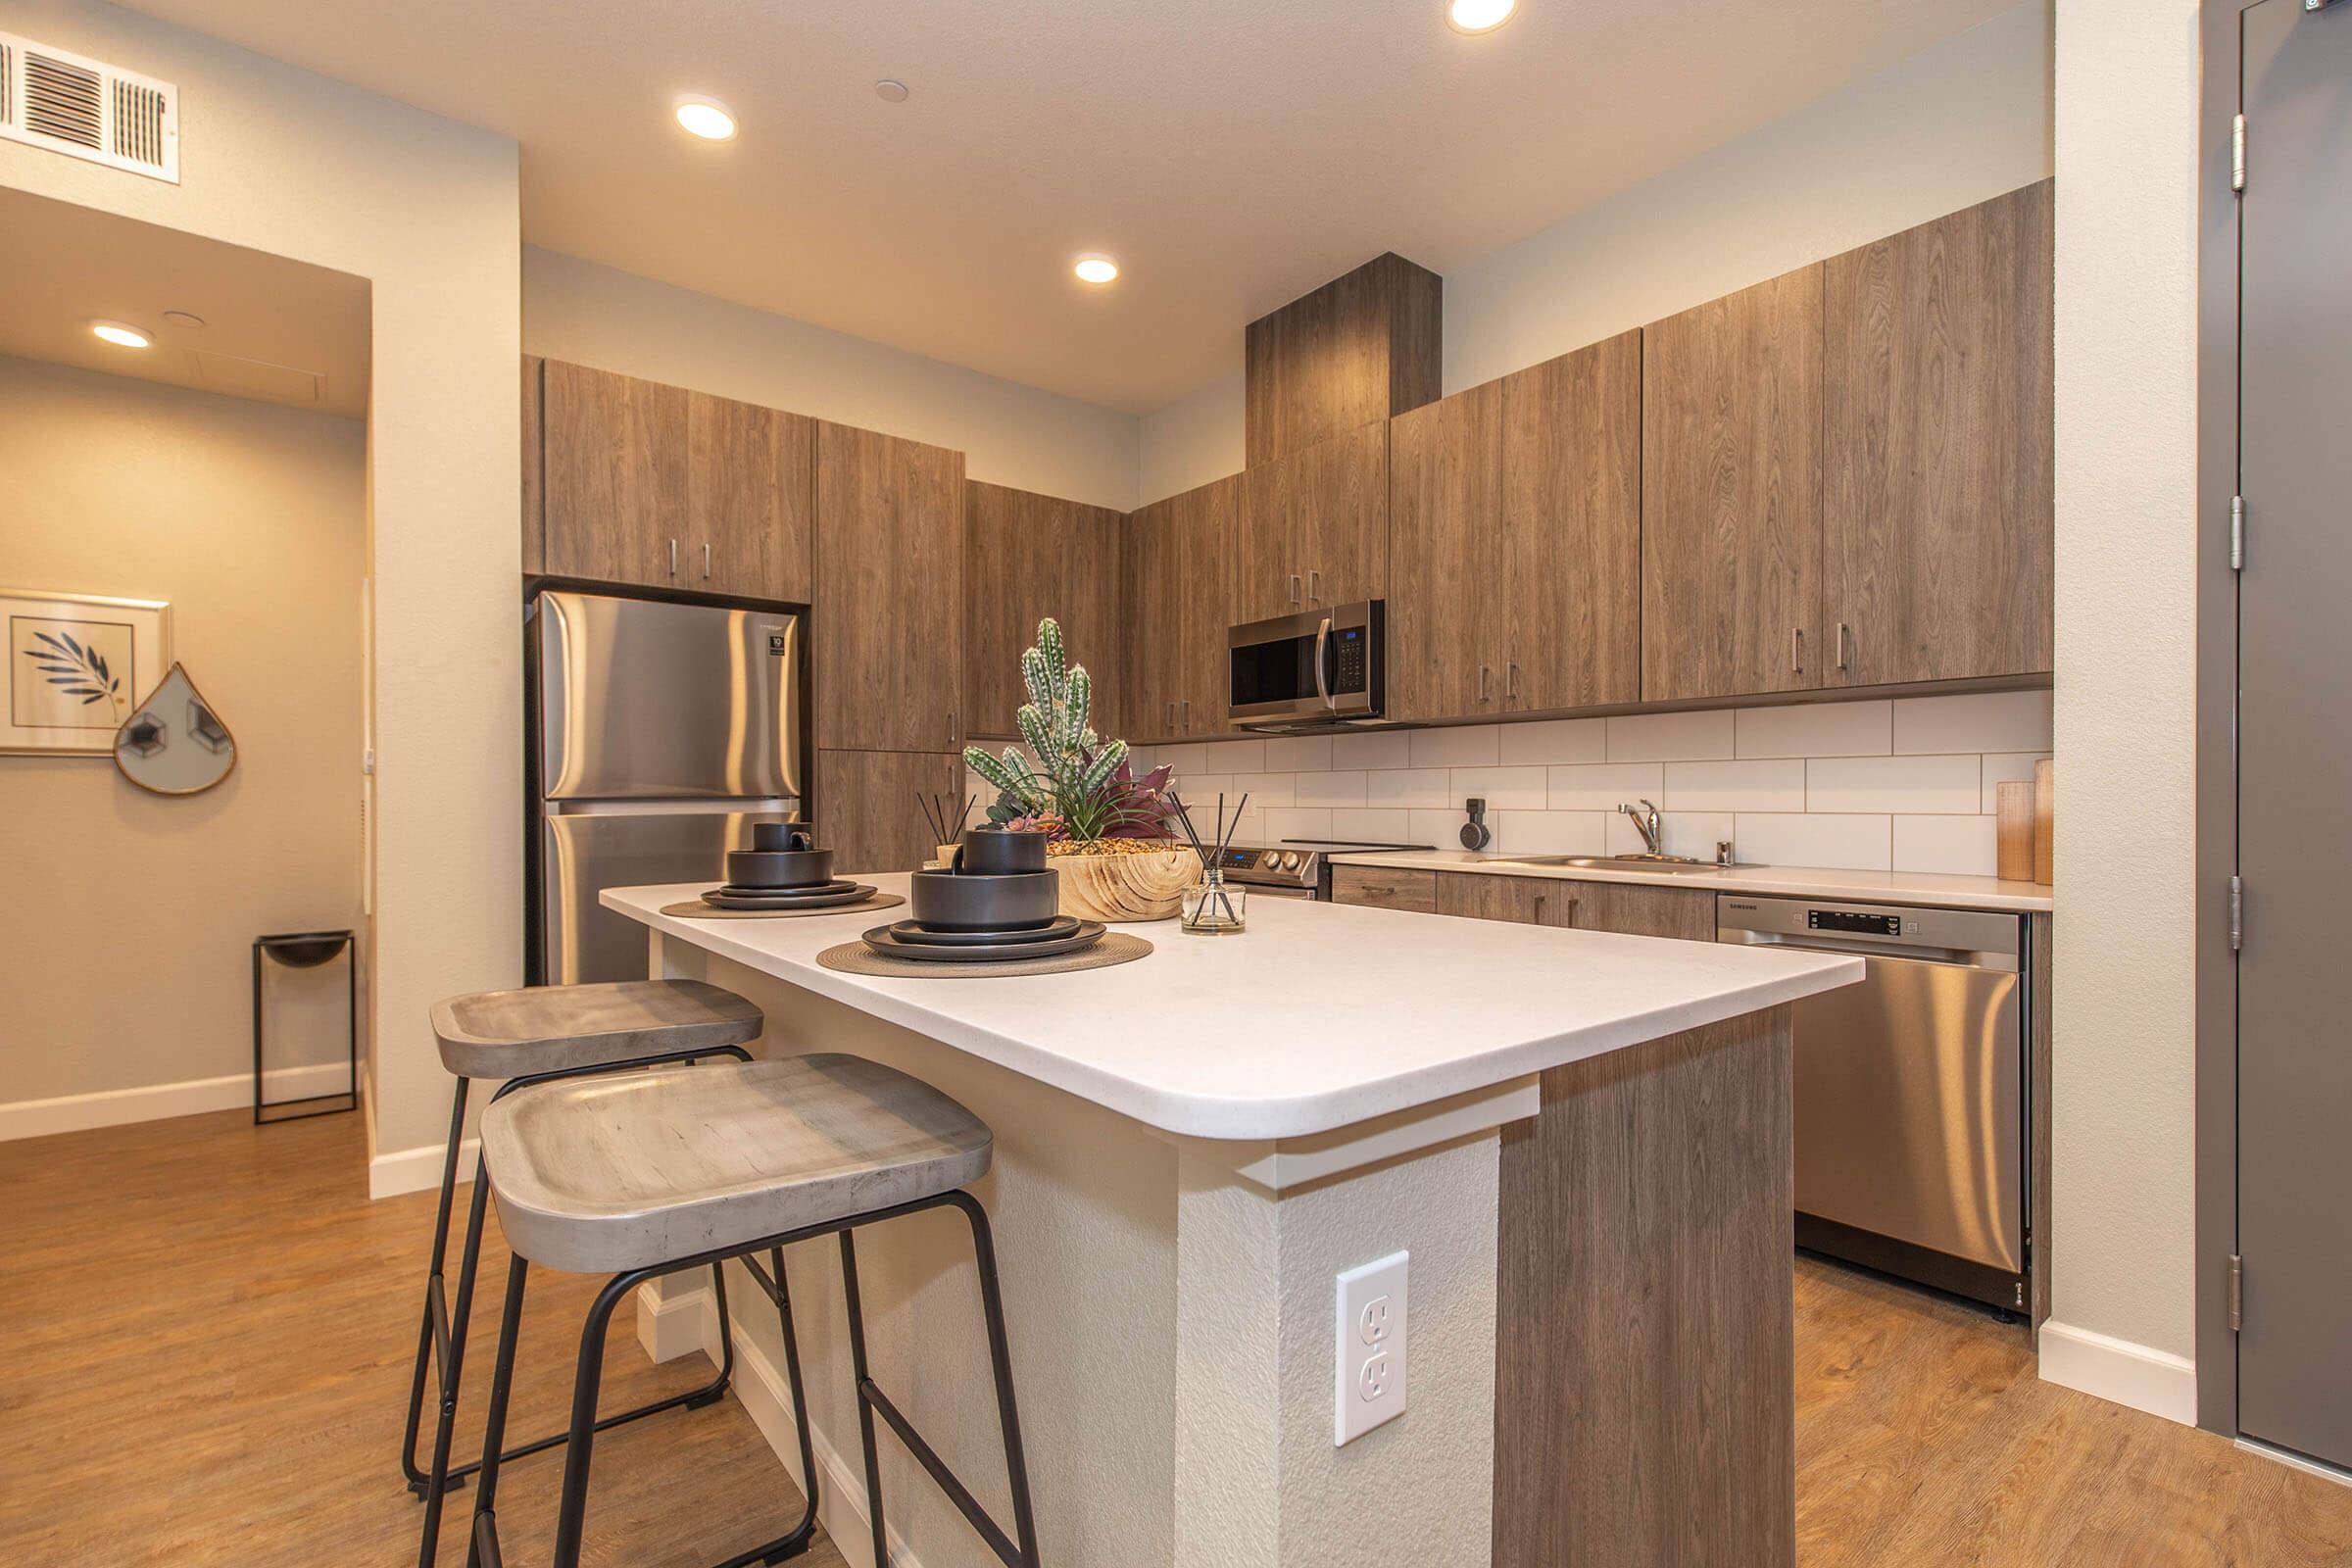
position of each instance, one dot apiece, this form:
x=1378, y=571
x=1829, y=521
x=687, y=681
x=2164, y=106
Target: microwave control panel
x=1351, y=641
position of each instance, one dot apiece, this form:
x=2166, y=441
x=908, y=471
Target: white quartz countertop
x=1318, y=1016
x=1795, y=881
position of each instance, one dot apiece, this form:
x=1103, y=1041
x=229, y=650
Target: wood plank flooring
x=209, y=1340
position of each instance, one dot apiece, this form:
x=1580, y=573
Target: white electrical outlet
x=1368, y=1384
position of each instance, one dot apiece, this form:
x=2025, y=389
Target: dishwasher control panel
x=1854, y=922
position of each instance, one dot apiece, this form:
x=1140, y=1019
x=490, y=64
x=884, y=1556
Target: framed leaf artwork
x=77, y=665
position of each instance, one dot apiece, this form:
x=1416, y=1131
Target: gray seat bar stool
x=529, y=1036
x=676, y=1169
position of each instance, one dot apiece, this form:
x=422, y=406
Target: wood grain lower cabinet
x=1173, y=577
x=864, y=809
x=614, y=474
x=1381, y=888
x=889, y=610
x=1731, y=495
x=1027, y=557
x=1314, y=529
x=1631, y=909
x=1520, y=900
x=1937, y=452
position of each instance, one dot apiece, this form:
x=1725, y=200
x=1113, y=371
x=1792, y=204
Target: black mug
x=998, y=851
x=773, y=836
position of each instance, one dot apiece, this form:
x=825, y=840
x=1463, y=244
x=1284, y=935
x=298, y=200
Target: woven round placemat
x=856, y=958
x=697, y=910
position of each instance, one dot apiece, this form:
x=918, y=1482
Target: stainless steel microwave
x=1320, y=667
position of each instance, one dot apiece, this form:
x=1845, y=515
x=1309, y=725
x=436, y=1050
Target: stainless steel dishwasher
x=1910, y=1089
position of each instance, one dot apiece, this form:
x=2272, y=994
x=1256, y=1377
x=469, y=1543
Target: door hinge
x=2237, y=1293
x=2237, y=153
x=2237, y=534
x=2237, y=913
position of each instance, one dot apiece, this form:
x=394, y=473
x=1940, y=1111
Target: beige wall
x=1010, y=434
x=287, y=162
x=2124, y=1097
x=1950, y=126
x=125, y=929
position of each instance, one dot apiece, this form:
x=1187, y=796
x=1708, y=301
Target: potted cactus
x=1110, y=834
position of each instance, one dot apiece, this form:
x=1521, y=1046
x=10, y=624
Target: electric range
x=1295, y=868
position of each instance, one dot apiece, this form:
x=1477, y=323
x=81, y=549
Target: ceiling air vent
x=87, y=109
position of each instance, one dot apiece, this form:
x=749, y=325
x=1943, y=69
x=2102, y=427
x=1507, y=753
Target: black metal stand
x=306, y=950
x=441, y=1334
x=572, y=1509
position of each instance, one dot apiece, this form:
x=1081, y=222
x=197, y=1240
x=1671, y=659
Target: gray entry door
x=2295, y=1133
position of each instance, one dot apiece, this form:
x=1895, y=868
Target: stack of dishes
x=783, y=869
x=995, y=902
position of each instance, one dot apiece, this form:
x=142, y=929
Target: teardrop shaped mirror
x=174, y=743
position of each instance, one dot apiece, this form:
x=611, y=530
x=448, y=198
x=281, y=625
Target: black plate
x=1088, y=933
x=814, y=890
x=1061, y=925
x=725, y=898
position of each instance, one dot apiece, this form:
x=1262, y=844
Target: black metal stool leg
x=450, y=1344
x=799, y=1405
x=1000, y=1355
x=432, y=1289
x=482, y=1548
x=861, y=1382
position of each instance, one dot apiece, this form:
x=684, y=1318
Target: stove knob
x=1290, y=861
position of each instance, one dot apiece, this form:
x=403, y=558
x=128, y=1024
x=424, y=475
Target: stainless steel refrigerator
x=659, y=733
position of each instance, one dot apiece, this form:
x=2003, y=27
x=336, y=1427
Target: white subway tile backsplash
x=1298, y=822
x=1958, y=846
x=1815, y=729
x=1328, y=789
x=1692, y=833
x=1504, y=789
x=1603, y=786
x=1554, y=740
x=1841, y=841
x=1550, y=833
x=1204, y=787
x=1989, y=722
x=1465, y=746
x=2007, y=768
x=1670, y=737
x=1429, y=787
x=1756, y=784
x=1297, y=753
x=1263, y=789
x=1186, y=758
x=1380, y=747
x=1235, y=757
x=1439, y=826
x=1369, y=825
x=1912, y=784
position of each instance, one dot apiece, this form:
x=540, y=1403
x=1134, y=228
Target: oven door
x=1323, y=665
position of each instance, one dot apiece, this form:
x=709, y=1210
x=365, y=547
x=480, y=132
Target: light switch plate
x=1368, y=1361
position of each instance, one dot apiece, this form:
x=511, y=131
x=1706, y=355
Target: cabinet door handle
x=1842, y=645
x=706, y=557
x=1294, y=590
x=1188, y=716
x=1171, y=720
x=1314, y=587
x=674, y=558
x=1796, y=649
x=1540, y=908
x=1482, y=683
x=951, y=729
x=1510, y=682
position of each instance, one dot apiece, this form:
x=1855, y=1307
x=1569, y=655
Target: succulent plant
x=1070, y=782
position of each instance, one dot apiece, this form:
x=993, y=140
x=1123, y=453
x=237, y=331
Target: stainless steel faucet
x=1646, y=822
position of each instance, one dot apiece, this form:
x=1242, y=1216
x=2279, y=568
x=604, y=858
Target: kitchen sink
x=1673, y=863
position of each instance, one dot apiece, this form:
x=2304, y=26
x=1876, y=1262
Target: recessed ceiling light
x=891, y=90
x=118, y=334
x=188, y=318
x=1095, y=268
x=708, y=118
x=1479, y=16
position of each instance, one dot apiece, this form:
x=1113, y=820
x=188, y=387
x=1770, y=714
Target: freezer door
x=641, y=700
x=584, y=852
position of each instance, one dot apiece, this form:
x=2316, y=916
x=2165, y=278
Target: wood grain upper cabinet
x=1360, y=349
x=1027, y=557
x=750, y=499
x=1175, y=563
x=1314, y=527
x=1731, y=499
x=889, y=607
x=1570, y=587
x=1446, y=639
x=1936, y=431
x=534, y=459
x=614, y=474
x=865, y=806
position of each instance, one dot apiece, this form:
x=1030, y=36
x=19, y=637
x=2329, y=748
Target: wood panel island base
x=1581, y=1139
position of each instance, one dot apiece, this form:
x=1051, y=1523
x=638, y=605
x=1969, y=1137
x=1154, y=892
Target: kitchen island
x=1581, y=1140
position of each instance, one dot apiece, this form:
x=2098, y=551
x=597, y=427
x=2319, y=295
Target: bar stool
x=530, y=1036
x=594, y=1177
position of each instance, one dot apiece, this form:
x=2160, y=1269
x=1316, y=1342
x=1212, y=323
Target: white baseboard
x=761, y=1387
x=419, y=1169
x=2138, y=1375
x=671, y=1325
x=119, y=1108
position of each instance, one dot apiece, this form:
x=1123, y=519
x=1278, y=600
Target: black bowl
x=1016, y=901
x=779, y=868
x=999, y=850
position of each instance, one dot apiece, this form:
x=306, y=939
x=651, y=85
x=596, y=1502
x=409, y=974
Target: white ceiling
x=275, y=331
x=1233, y=154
